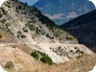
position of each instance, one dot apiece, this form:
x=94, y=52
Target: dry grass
x=7, y=37
x=83, y=64
x=24, y=48
x=23, y=62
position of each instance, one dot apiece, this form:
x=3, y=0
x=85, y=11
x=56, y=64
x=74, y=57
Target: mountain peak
x=59, y=11
x=83, y=28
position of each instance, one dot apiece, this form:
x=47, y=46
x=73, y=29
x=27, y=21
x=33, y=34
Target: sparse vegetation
x=42, y=57
x=46, y=59
x=3, y=20
x=7, y=3
x=25, y=30
x=71, y=50
x=9, y=65
x=0, y=15
x=38, y=31
x=3, y=11
x=35, y=54
x=80, y=53
x=30, y=25
x=48, y=36
x=17, y=10
x=23, y=36
x=0, y=36
x=69, y=38
x=14, y=0
x=19, y=7
x=26, y=24
x=19, y=34
x=75, y=47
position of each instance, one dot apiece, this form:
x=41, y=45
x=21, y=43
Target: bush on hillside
x=9, y=65
x=35, y=54
x=46, y=59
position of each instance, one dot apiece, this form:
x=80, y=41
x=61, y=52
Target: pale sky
x=30, y=2
x=94, y=1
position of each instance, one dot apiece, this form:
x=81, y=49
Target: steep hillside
x=40, y=45
x=15, y=60
x=29, y=25
x=16, y=57
x=61, y=11
x=6, y=37
x=84, y=29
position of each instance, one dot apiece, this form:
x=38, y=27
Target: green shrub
x=69, y=38
x=25, y=30
x=4, y=12
x=59, y=48
x=3, y=20
x=14, y=0
x=19, y=7
x=9, y=65
x=42, y=56
x=71, y=50
x=0, y=36
x=75, y=47
x=46, y=59
x=23, y=36
x=48, y=36
x=7, y=4
x=0, y=15
x=77, y=51
x=35, y=54
x=81, y=52
x=30, y=25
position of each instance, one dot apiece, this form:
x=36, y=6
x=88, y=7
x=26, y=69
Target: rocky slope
x=6, y=37
x=29, y=25
x=15, y=60
x=84, y=29
x=61, y=11
x=26, y=31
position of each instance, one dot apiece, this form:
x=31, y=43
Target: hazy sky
x=30, y=2
x=94, y=1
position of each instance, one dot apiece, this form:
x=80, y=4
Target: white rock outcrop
x=2, y=1
x=94, y=69
x=2, y=70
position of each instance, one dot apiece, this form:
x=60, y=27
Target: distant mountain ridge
x=83, y=28
x=81, y=20
x=61, y=11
